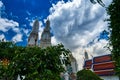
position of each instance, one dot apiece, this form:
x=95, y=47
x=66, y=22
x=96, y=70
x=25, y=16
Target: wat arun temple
x=45, y=41
x=101, y=65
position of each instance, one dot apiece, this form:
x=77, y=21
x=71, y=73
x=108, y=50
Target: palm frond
x=101, y=3
x=93, y=1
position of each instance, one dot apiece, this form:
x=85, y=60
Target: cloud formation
x=76, y=23
x=2, y=37
x=17, y=38
x=6, y=25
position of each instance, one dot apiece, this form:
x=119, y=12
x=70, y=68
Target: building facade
x=103, y=66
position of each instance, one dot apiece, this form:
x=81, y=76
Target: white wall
x=110, y=77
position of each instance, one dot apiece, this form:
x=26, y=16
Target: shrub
x=87, y=75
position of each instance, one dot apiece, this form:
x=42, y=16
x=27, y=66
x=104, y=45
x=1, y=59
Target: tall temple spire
x=86, y=55
x=46, y=37
x=36, y=26
x=33, y=38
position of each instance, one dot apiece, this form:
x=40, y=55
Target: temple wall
x=110, y=77
x=103, y=66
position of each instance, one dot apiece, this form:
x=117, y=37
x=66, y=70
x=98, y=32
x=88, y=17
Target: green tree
x=34, y=63
x=6, y=54
x=6, y=50
x=87, y=75
x=114, y=25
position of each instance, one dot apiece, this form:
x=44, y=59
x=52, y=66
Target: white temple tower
x=46, y=37
x=74, y=67
x=86, y=55
x=33, y=38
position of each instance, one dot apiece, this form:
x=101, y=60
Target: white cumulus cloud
x=2, y=37
x=17, y=38
x=1, y=4
x=78, y=22
x=6, y=24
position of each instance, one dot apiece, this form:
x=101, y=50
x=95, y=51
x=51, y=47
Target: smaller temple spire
x=46, y=36
x=86, y=55
x=47, y=27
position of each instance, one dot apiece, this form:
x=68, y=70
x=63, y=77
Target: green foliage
x=34, y=63
x=87, y=75
x=6, y=50
x=114, y=25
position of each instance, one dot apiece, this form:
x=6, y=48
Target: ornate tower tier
x=46, y=37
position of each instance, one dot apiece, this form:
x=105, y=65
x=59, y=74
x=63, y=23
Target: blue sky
x=78, y=24
x=23, y=12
